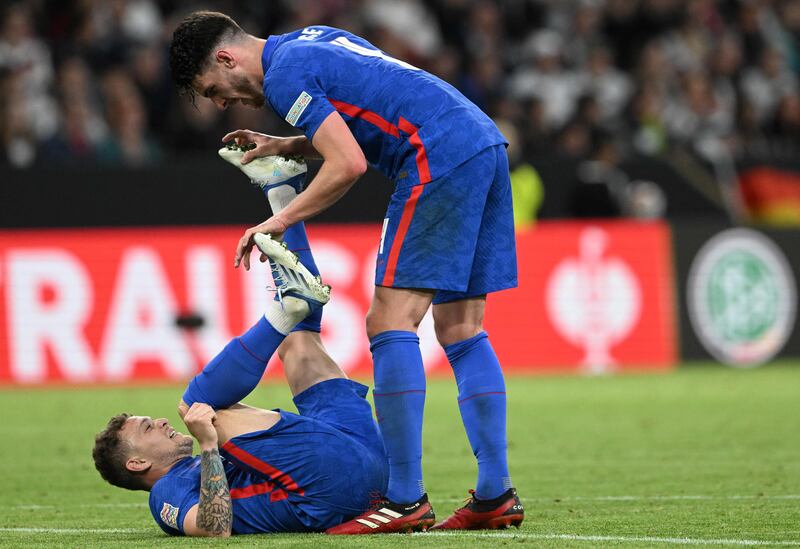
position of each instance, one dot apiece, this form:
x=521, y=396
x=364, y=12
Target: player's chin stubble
x=255, y=96
x=185, y=447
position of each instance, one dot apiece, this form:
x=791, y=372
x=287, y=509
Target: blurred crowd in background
x=88, y=80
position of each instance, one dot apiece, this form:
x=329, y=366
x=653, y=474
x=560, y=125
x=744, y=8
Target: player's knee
x=286, y=349
x=297, y=352
x=397, y=309
x=447, y=334
x=297, y=355
x=378, y=321
x=372, y=323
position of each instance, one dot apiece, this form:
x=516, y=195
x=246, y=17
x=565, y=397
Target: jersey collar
x=266, y=53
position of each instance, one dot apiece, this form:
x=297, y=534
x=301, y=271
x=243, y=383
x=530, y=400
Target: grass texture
x=704, y=455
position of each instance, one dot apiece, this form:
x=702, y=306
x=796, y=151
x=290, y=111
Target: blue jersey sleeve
x=296, y=94
x=171, y=499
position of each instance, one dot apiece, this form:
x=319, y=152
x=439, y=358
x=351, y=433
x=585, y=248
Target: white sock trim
x=280, y=197
x=286, y=316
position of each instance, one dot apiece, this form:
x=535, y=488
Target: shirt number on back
x=369, y=52
x=309, y=34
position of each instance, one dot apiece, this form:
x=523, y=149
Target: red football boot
x=503, y=511
x=388, y=518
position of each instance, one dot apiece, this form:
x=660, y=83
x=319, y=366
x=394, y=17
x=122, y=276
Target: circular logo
x=741, y=297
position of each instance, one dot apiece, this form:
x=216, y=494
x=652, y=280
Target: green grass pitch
x=702, y=456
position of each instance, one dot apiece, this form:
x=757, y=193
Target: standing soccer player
x=447, y=239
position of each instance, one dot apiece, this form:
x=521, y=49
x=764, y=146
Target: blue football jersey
x=300, y=475
x=412, y=126
x=259, y=504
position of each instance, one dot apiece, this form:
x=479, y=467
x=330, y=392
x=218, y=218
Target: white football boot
x=292, y=278
x=266, y=171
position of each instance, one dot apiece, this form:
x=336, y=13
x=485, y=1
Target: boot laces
x=470, y=499
x=281, y=284
x=375, y=500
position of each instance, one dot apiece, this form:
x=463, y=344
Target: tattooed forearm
x=214, y=512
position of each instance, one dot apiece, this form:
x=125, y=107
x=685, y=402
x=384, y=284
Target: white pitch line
x=566, y=537
x=678, y=497
x=38, y=507
x=648, y=498
x=566, y=499
x=77, y=530
x=629, y=539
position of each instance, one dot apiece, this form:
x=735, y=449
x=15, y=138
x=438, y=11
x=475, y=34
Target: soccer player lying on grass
x=259, y=470
x=282, y=472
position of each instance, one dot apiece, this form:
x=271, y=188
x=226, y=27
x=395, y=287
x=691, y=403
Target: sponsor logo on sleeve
x=298, y=107
x=169, y=515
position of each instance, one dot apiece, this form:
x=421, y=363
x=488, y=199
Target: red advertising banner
x=592, y=297
x=96, y=306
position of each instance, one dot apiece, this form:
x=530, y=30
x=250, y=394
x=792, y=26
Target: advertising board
x=97, y=306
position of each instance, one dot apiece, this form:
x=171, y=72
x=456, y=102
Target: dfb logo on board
x=594, y=301
x=741, y=297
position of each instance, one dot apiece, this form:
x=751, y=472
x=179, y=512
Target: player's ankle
x=284, y=315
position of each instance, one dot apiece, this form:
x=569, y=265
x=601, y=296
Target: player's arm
x=268, y=145
x=213, y=515
x=343, y=163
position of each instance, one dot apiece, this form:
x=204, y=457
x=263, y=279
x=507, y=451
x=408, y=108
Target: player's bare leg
x=458, y=320
x=482, y=401
x=306, y=362
x=397, y=309
x=240, y=419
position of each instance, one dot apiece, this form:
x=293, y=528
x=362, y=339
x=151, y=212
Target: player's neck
x=157, y=471
x=254, y=47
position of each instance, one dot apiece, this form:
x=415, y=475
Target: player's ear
x=224, y=57
x=137, y=464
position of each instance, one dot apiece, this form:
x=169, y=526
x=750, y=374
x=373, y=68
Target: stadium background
x=654, y=152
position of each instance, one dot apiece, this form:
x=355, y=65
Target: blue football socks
x=399, y=403
x=235, y=372
x=482, y=400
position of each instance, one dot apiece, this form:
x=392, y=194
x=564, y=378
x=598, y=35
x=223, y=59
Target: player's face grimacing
x=153, y=441
x=225, y=85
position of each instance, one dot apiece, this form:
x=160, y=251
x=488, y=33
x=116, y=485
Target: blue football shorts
x=454, y=234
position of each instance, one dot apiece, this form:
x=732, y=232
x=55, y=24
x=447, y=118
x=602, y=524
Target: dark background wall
x=205, y=190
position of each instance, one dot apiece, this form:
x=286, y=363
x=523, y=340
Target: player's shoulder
x=166, y=512
x=183, y=474
x=174, y=493
x=307, y=46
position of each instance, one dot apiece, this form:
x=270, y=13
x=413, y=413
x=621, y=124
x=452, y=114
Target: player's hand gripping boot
x=267, y=171
x=387, y=518
x=503, y=511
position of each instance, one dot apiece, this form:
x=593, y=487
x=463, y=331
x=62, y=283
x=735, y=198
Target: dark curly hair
x=192, y=43
x=110, y=456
